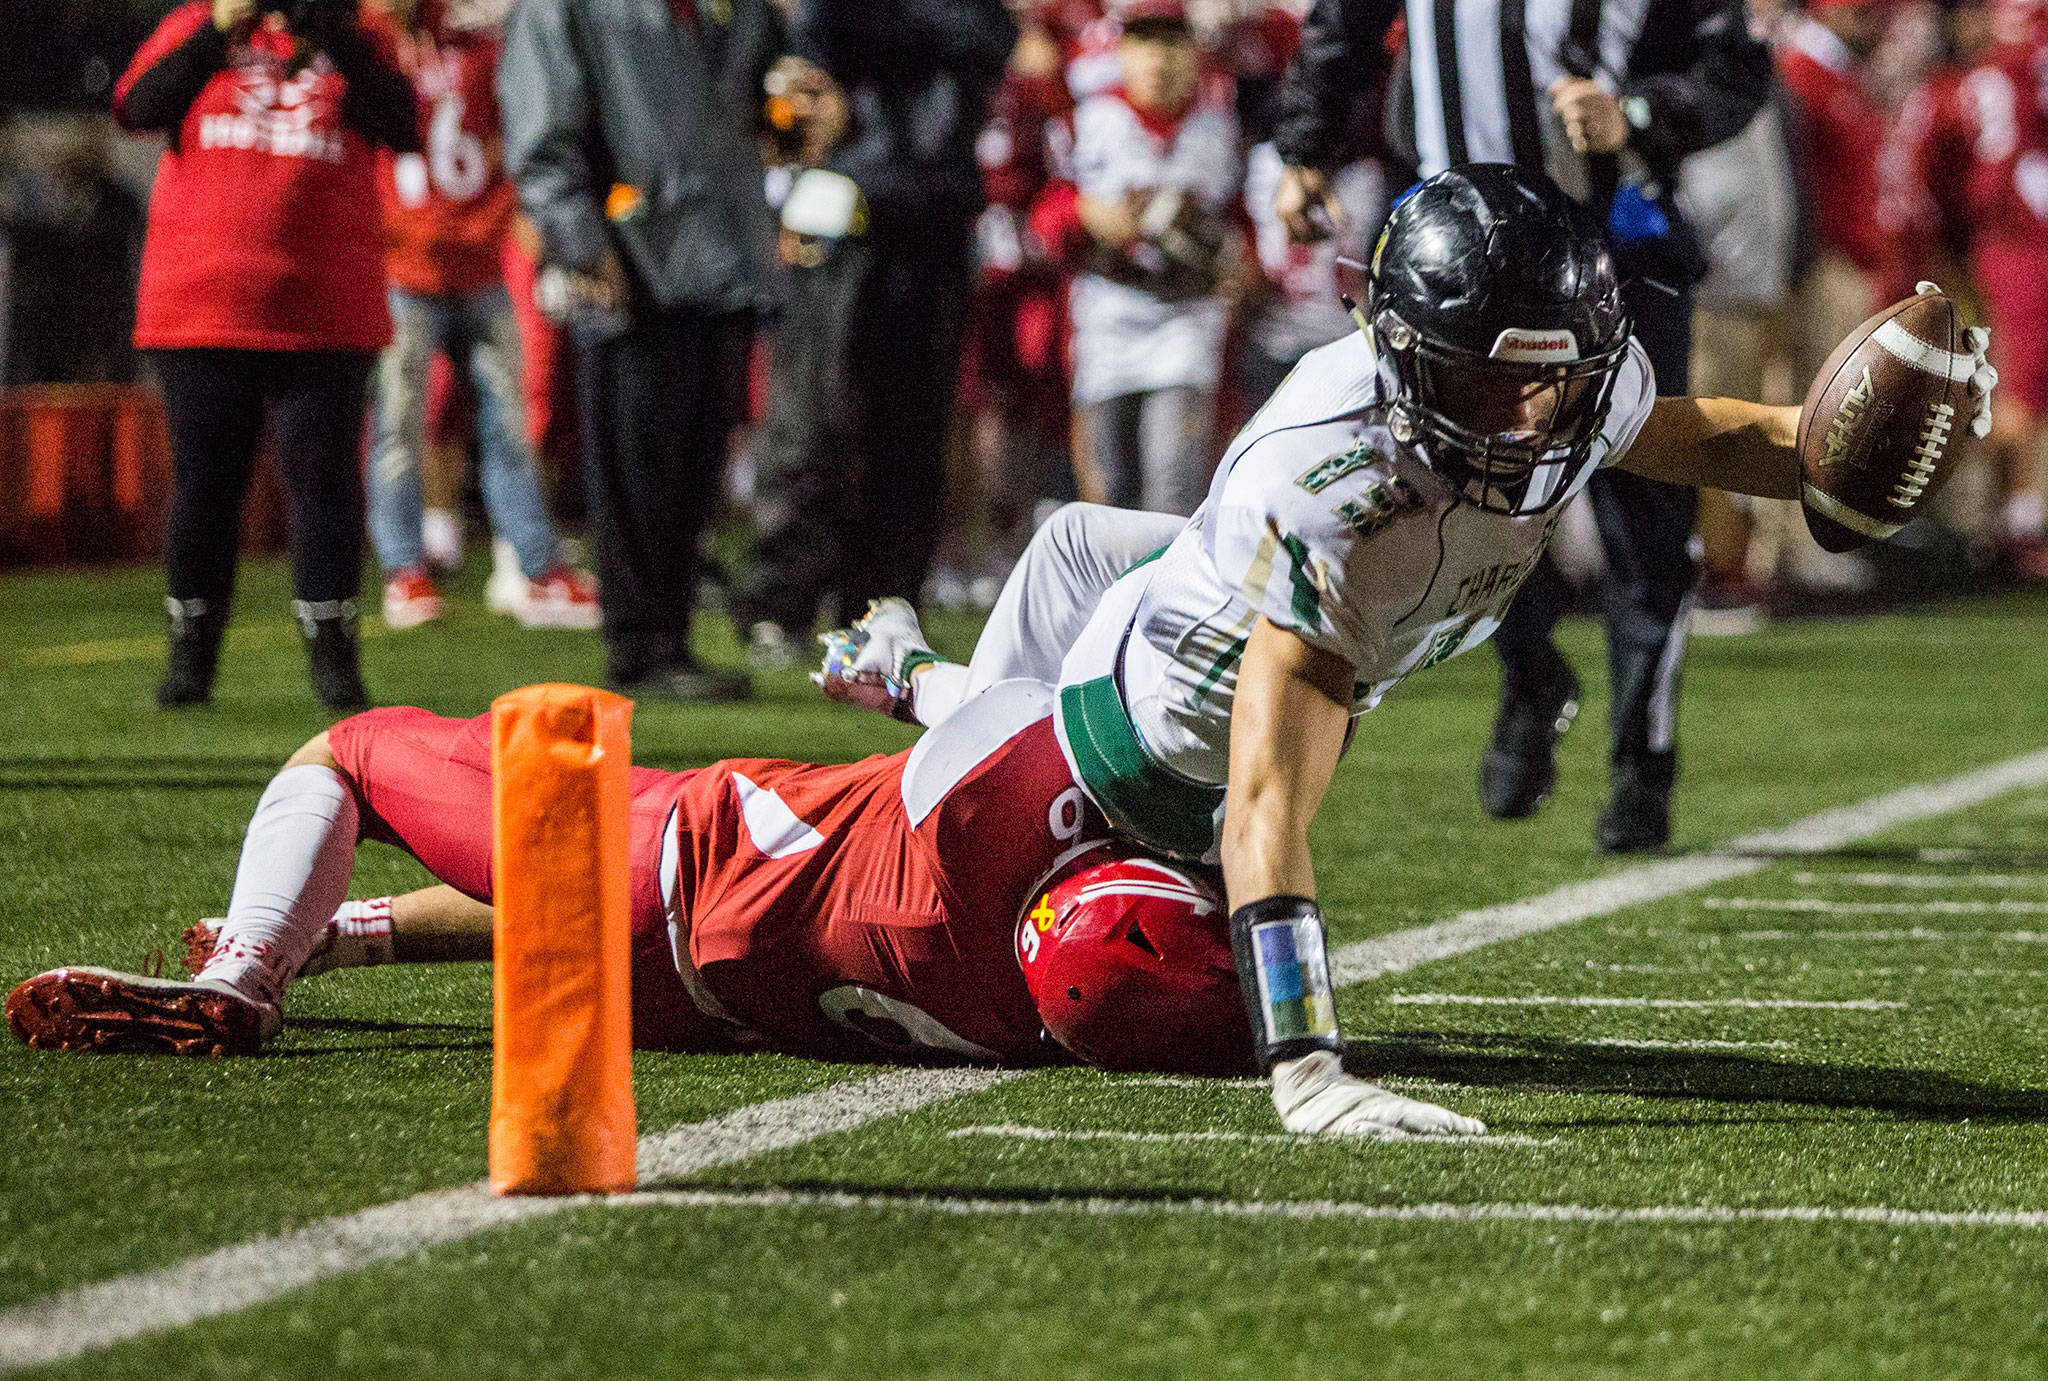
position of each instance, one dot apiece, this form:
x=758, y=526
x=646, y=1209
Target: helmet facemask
x=1512, y=430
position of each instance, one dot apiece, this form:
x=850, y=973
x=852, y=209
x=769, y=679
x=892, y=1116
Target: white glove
x=1314, y=1095
x=1983, y=378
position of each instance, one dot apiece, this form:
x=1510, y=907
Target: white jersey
x=1320, y=521
x=1125, y=339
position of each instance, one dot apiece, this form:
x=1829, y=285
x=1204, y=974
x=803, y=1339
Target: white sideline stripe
x=2029, y=880
x=71, y=1323
x=1299, y=1210
x=1854, y=1004
x=1577, y=901
x=1823, y=906
x=1020, y=1133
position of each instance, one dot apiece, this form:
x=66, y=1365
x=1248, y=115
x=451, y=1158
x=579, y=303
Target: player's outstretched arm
x=1287, y=728
x=1723, y=443
x=1748, y=448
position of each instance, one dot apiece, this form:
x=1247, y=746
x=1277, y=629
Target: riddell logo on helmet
x=1545, y=347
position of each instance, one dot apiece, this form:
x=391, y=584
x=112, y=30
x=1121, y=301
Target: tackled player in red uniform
x=957, y=900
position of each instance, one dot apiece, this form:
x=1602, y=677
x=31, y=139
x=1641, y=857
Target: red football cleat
x=105, y=1011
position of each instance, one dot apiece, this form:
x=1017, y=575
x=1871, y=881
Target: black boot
x=1638, y=815
x=330, y=629
x=196, y=631
x=1519, y=768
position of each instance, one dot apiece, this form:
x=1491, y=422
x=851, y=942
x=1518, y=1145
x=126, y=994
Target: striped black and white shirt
x=1471, y=81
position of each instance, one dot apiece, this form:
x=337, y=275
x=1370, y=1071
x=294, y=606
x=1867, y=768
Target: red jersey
x=2005, y=108
x=1844, y=131
x=822, y=909
x=263, y=226
x=1923, y=176
x=820, y=906
x=448, y=210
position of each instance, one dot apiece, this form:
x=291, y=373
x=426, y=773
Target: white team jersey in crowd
x=1318, y=520
x=1125, y=339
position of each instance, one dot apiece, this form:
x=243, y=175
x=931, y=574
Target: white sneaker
x=561, y=598
x=870, y=663
x=410, y=599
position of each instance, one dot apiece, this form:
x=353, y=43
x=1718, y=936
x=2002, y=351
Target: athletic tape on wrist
x=1284, y=968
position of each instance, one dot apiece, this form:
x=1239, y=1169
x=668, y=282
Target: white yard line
x=2031, y=881
x=1824, y=907
x=1743, y=857
x=1658, y=1215
x=1019, y=1133
x=1626, y=1043
x=1856, y=1004
x=73, y=1322
x=2017, y=937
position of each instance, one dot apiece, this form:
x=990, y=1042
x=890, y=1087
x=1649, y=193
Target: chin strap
x=1284, y=968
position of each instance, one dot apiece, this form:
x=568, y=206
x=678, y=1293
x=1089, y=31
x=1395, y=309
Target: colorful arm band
x=1284, y=968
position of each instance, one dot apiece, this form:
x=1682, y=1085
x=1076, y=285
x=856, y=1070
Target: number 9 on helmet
x=1128, y=960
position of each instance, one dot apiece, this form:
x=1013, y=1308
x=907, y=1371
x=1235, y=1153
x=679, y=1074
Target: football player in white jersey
x=1374, y=519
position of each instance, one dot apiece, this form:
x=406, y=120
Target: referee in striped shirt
x=1606, y=96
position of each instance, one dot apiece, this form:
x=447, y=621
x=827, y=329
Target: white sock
x=296, y=861
x=939, y=689
x=359, y=936
x=2024, y=513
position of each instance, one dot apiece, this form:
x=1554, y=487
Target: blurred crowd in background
x=793, y=305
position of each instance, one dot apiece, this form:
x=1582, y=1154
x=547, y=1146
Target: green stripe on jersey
x=1141, y=798
x=1307, y=605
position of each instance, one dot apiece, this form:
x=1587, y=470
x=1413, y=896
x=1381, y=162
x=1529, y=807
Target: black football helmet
x=1498, y=321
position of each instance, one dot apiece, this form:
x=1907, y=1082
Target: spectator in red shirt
x=2006, y=114
x=447, y=213
x=1840, y=131
x=263, y=292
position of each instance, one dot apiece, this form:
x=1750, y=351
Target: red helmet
x=1128, y=958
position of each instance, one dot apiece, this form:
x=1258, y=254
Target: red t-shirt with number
x=263, y=228
x=447, y=210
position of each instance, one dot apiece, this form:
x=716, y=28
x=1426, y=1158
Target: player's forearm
x=439, y=925
x=1723, y=443
x=1286, y=732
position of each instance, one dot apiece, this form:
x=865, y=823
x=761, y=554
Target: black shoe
x=689, y=683
x=196, y=632
x=330, y=630
x=1519, y=768
x=1638, y=815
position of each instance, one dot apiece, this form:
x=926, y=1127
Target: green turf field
x=1793, y=1122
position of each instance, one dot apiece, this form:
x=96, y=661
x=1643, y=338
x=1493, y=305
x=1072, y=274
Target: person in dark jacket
x=263, y=291
x=866, y=363
x=1606, y=96
x=629, y=133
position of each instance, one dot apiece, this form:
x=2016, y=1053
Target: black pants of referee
x=215, y=405
x=659, y=404
x=850, y=480
x=1646, y=531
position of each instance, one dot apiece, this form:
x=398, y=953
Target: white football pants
x=1075, y=556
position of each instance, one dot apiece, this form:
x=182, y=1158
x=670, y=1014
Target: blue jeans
x=477, y=329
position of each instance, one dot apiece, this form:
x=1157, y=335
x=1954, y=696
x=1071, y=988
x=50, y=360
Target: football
x=1885, y=422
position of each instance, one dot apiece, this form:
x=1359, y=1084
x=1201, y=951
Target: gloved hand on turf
x=1983, y=378
x=1315, y=1096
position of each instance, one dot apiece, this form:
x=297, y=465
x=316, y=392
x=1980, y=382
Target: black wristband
x=1284, y=969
